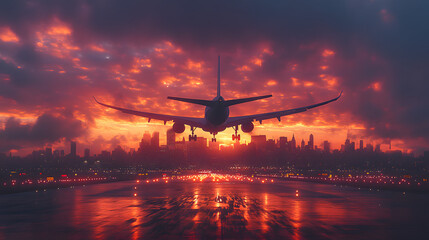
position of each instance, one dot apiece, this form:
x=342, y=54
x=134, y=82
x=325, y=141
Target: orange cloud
x=192, y=65
x=6, y=35
x=271, y=83
x=330, y=81
x=295, y=81
x=257, y=61
x=244, y=68
x=97, y=48
x=376, y=86
x=308, y=84
x=59, y=30
x=327, y=53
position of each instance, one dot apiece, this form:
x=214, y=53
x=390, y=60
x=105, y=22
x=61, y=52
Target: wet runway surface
x=207, y=210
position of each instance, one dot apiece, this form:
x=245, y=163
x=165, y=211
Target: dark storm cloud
x=46, y=130
x=383, y=42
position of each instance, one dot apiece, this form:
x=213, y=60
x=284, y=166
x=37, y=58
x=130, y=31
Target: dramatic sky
x=56, y=55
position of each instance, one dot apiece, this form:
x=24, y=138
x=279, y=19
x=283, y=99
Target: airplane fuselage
x=217, y=114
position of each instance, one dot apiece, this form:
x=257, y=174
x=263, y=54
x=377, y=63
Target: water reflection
x=200, y=210
x=296, y=218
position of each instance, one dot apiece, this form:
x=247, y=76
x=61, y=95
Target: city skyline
x=151, y=140
x=52, y=64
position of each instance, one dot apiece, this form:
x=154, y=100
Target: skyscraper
x=48, y=155
x=292, y=143
x=259, y=141
x=283, y=142
x=302, y=145
x=326, y=146
x=369, y=147
x=311, y=142
x=48, y=152
x=155, y=140
x=73, y=149
x=145, y=142
x=86, y=153
x=171, y=138
x=377, y=148
x=361, y=145
x=146, y=138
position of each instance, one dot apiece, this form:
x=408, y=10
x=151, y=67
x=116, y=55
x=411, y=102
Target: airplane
x=216, y=118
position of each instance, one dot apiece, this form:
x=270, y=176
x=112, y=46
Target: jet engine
x=178, y=127
x=247, y=127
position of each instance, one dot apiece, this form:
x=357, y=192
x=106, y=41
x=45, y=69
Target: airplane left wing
x=235, y=121
x=194, y=122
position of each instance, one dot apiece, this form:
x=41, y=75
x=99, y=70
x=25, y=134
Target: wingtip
x=96, y=100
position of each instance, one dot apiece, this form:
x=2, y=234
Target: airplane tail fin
x=218, y=76
x=244, y=100
x=212, y=103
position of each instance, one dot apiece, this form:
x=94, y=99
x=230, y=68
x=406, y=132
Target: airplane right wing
x=235, y=121
x=194, y=122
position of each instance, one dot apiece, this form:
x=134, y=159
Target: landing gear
x=214, y=137
x=192, y=137
x=236, y=136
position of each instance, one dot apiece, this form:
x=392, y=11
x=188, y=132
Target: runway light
x=138, y=181
x=135, y=194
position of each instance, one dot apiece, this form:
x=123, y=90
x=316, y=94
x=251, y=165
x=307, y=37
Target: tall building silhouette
x=369, y=147
x=155, y=140
x=171, y=138
x=326, y=146
x=146, y=138
x=377, y=148
x=292, y=143
x=73, y=149
x=283, y=142
x=361, y=145
x=145, y=142
x=259, y=141
x=86, y=153
x=311, y=142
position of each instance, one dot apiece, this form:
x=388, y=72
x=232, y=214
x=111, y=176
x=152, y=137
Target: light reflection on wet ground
x=189, y=210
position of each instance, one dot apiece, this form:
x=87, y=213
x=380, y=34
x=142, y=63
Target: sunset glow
x=53, y=65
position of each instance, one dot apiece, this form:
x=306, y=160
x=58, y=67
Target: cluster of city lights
x=364, y=179
x=205, y=177
x=208, y=177
x=51, y=180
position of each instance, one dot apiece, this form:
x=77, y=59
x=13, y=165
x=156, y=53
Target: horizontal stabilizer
x=194, y=101
x=244, y=100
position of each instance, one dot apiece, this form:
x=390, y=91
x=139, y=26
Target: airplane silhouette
x=216, y=118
